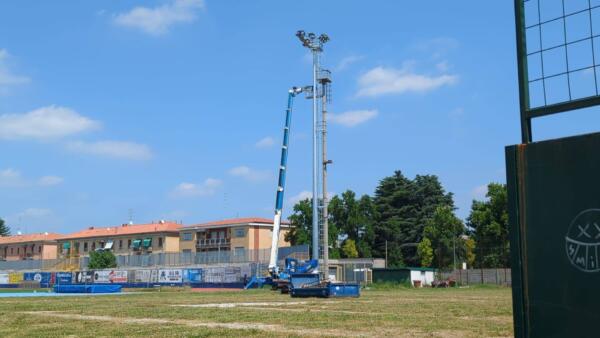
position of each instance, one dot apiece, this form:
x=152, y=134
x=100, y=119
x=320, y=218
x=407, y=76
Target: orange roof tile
x=125, y=229
x=28, y=238
x=236, y=221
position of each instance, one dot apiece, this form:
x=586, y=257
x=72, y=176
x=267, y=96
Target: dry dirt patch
x=192, y=323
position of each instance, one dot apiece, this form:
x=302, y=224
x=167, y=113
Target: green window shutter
x=66, y=245
x=147, y=242
x=136, y=243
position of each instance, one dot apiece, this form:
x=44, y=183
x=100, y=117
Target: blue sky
x=174, y=109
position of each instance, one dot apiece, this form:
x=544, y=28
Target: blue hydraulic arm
x=273, y=269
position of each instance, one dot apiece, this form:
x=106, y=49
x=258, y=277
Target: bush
x=102, y=260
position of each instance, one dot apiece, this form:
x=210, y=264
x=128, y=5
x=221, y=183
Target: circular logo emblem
x=37, y=277
x=583, y=240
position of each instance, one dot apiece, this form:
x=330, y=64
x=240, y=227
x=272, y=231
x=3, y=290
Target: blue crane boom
x=273, y=269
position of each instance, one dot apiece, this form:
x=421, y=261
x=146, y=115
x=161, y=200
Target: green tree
x=354, y=219
x=301, y=230
x=445, y=231
x=488, y=222
x=104, y=259
x=4, y=229
x=425, y=252
x=470, y=252
x=349, y=249
x=402, y=208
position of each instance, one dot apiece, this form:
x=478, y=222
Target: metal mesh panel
x=558, y=45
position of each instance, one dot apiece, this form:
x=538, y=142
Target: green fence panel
x=554, y=215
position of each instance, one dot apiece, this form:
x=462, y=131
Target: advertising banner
x=170, y=276
x=193, y=275
x=64, y=278
x=146, y=276
x=84, y=277
x=223, y=275
x=4, y=278
x=110, y=276
x=44, y=278
x=15, y=278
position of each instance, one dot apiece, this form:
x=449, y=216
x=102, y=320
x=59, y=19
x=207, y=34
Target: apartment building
x=30, y=246
x=125, y=239
x=237, y=234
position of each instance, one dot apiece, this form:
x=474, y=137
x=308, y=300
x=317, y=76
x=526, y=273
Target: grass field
x=465, y=312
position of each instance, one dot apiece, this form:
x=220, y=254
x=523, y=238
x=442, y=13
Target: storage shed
x=404, y=275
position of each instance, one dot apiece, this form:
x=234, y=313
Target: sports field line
x=229, y=305
x=191, y=323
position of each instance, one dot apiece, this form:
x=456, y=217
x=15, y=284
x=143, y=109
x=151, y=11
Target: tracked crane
x=273, y=268
x=280, y=279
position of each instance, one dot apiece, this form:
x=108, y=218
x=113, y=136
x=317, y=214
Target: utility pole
x=454, y=252
x=325, y=80
x=386, y=257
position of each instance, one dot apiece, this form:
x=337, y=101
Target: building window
x=93, y=246
x=120, y=244
x=18, y=251
x=85, y=246
x=129, y=243
x=160, y=242
x=239, y=233
x=187, y=236
x=11, y=251
x=40, y=249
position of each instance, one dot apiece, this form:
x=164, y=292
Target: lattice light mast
x=315, y=44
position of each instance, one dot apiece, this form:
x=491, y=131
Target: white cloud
x=7, y=78
x=352, y=118
x=114, y=149
x=50, y=180
x=34, y=213
x=45, y=123
x=301, y=196
x=206, y=188
x=381, y=81
x=250, y=174
x=456, y=113
x=347, y=61
x=11, y=178
x=265, y=142
x=157, y=21
x=479, y=192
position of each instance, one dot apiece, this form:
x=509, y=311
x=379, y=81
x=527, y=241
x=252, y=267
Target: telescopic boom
x=273, y=268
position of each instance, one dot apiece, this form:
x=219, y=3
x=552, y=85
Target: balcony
x=213, y=243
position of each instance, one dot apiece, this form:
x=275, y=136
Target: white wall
x=426, y=277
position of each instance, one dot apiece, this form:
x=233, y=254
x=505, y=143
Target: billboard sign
x=4, y=278
x=146, y=276
x=110, y=276
x=84, y=277
x=170, y=276
x=193, y=275
x=44, y=278
x=64, y=278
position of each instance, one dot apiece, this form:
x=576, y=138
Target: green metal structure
x=554, y=185
x=557, y=42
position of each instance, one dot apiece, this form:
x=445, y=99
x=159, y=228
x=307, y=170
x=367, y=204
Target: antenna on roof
x=130, y=216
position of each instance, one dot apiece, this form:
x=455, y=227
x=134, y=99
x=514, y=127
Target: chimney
x=91, y=228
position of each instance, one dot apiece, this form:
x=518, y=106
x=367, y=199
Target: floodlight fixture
x=311, y=41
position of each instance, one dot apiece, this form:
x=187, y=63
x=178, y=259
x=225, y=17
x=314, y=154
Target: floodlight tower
x=315, y=44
